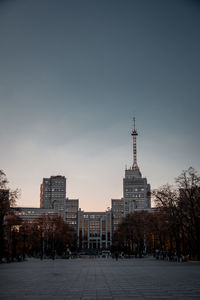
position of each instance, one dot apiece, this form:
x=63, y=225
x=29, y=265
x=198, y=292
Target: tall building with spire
x=136, y=190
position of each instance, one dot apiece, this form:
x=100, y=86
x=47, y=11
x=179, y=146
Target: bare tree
x=189, y=205
x=7, y=199
x=173, y=227
x=180, y=206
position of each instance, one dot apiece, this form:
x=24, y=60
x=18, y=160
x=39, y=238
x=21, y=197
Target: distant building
x=117, y=211
x=53, y=193
x=31, y=214
x=95, y=230
x=71, y=213
x=136, y=190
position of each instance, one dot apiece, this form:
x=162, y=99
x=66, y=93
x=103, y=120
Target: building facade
x=117, y=206
x=71, y=213
x=31, y=214
x=136, y=190
x=95, y=230
x=53, y=193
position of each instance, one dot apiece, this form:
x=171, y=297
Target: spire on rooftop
x=134, y=135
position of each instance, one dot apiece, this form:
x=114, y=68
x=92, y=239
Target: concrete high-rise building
x=53, y=196
x=71, y=213
x=53, y=193
x=136, y=190
x=117, y=211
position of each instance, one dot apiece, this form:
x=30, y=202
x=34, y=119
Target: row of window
x=72, y=209
x=54, y=182
x=53, y=190
x=53, y=196
x=71, y=216
x=132, y=195
x=138, y=189
x=134, y=182
x=71, y=222
x=93, y=216
x=137, y=201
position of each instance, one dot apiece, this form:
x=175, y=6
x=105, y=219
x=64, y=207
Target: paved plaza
x=99, y=278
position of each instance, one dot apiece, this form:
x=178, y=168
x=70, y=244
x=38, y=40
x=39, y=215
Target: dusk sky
x=72, y=76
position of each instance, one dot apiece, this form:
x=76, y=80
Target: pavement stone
x=89, y=279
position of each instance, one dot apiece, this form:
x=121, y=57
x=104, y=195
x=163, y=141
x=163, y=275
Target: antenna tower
x=134, y=135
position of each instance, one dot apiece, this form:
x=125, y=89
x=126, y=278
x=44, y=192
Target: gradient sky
x=72, y=76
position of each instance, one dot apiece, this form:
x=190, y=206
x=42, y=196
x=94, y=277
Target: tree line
x=172, y=227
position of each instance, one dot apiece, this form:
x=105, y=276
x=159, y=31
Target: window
x=128, y=189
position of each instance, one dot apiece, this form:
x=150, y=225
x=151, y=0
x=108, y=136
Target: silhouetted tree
x=132, y=233
x=7, y=199
x=173, y=227
x=12, y=228
x=188, y=184
x=49, y=236
x=180, y=207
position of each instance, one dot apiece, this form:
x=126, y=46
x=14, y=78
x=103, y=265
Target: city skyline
x=73, y=74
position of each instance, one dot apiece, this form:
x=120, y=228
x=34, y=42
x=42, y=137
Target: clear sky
x=72, y=76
